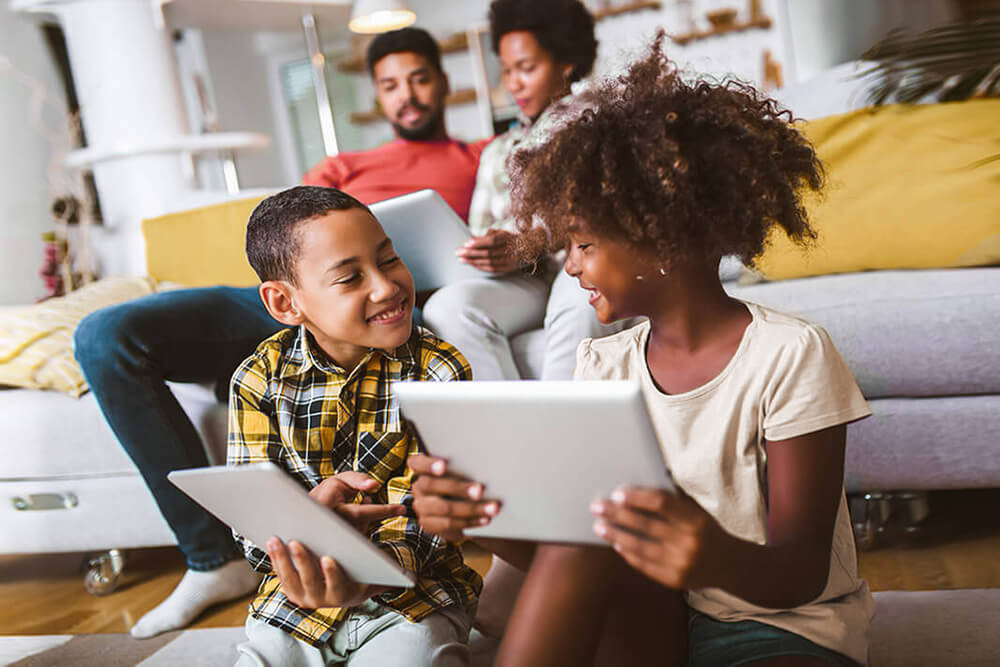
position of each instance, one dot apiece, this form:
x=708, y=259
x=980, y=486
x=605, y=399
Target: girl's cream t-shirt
x=785, y=380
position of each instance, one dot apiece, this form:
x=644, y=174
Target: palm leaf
x=953, y=62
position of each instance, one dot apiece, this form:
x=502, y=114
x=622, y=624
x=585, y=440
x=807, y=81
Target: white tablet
x=262, y=501
x=425, y=232
x=545, y=449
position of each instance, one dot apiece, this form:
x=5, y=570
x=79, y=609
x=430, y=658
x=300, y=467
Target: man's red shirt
x=402, y=166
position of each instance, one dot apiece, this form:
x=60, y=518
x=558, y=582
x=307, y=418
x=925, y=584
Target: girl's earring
x=663, y=271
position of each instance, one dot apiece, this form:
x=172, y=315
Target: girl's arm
x=672, y=540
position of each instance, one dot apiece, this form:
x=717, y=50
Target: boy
x=315, y=399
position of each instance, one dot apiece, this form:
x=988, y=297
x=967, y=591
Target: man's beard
x=428, y=130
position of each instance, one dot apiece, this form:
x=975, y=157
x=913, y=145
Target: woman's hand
x=665, y=535
x=313, y=583
x=493, y=252
x=446, y=504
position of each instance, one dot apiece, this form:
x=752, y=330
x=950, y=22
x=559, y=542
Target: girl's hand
x=665, y=535
x=313, y=583
x=447, y=504
x=493, y=252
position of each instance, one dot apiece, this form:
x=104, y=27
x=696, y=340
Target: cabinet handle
x=45, y=501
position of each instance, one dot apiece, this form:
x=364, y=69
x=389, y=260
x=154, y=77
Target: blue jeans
x=129, y=351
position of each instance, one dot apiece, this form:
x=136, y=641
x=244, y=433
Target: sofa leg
x=874, y=514
x=103, y=572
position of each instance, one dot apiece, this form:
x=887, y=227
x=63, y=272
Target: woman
x=543, y=47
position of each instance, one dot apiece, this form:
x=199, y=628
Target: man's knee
x=99, y=336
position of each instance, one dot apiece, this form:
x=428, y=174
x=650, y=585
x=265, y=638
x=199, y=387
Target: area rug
x=190, y=648
x=910, y=629
x=212, y=647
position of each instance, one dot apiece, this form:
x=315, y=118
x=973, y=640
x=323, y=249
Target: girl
x=650, y=185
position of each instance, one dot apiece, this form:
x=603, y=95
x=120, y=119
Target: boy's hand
x=493, y=252
x=447, y=504
x=338, y=493
x=312, y=583
x=665, y=535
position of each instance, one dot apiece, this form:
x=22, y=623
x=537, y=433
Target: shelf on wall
x=451, y=44
x=762, y=22
x=627, y=8
x=462, y=96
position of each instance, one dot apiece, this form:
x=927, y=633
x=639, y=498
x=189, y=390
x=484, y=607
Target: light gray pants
x=371, y=635
x=480, y=316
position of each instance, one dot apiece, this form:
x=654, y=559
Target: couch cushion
x=903, y=333
x=36, y=342
x=201, y=247
x=47, y=434
x=909, y=187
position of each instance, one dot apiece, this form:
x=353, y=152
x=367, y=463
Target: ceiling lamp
x=372, y=16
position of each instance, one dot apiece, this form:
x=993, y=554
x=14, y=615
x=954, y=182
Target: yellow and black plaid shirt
x=290, y=405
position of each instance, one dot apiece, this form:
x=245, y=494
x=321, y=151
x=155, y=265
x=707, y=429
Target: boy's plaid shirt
x=293, y=407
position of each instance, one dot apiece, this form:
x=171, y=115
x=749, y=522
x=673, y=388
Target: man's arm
x=329, y=172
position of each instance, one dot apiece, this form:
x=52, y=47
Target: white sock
x=196, y=592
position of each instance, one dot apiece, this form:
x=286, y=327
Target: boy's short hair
x=564, y=28
x=404, y=40
x=272, y=240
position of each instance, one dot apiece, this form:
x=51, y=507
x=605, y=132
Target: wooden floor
x=43, y=594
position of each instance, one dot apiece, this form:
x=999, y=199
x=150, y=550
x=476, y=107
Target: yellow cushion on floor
x=201, y=247
x=910, y=187
x=36, y=342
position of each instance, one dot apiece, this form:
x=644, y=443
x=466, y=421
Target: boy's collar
x=305, y=355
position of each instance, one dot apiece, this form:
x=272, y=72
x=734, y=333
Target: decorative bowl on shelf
x=722, y=18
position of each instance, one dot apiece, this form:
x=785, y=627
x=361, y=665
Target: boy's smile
x=353, y=292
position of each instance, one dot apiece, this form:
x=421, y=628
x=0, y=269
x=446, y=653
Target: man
x=129, y=351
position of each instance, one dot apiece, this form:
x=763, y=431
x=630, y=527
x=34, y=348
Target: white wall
x=807, y=36
x=824, y=33
x=24, y=190
x=238, y=78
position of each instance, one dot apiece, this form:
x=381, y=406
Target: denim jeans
x=129, y=351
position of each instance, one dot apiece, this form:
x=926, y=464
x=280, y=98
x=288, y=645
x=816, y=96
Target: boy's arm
x=253, y=437
x=415, y=550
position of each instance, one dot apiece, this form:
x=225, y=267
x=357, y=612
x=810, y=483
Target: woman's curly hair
x=691, y=169
x=564, y=28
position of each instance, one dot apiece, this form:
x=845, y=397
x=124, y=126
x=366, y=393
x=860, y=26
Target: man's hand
x=446, y=504
x=313, y=583
x=339, y=492
x=493, y=252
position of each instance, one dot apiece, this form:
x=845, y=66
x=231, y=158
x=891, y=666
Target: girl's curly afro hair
x=692, y=169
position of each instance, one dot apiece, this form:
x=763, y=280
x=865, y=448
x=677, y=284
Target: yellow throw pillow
x=910, y=187
x=201, y=247
x=36, y=342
